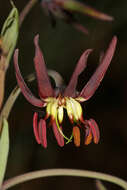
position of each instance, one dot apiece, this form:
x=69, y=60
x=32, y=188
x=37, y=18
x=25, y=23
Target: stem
x=26, y=10
x=59, y=81
x=63, y=172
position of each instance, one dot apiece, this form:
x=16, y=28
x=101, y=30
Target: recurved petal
x=91, y=86
x=81, y=65
x=95, y=130
x=35, y=127
x=25, y=90
x=42, y=133
x=44, y=85
x=58, y=136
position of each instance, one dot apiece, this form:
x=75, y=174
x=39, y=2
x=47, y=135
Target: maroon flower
x=66, y=9
x=56, y=101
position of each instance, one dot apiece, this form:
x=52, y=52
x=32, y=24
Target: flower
x=56, y=101
x=65, y=9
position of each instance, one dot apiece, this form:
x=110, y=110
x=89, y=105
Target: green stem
x=63, y=172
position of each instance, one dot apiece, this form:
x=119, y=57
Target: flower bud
x=8, y=39
x=9, y=34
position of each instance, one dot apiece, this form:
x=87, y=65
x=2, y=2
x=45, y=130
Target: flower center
x=55, y=108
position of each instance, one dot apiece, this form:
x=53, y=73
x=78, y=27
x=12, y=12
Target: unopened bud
x=9, y=35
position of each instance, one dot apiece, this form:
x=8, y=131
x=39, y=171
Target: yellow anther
x=48, y=108
x=77, y=109
x=60, y=114
x=54, y=108
x=69, y=109
x=73, y=107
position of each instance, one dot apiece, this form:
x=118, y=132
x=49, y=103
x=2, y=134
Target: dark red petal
x=58, y=136
x=44, y=85
x=42, y=133
x=81, y=65
x=25, y=90
x=95, y=130
x=35, y=127
x=97, y=77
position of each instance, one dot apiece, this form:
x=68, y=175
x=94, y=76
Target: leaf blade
x=4, y=149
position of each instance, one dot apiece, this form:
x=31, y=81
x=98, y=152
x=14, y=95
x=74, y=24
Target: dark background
x=62, y=47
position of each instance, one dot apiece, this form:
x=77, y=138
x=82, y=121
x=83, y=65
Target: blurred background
x=62, y=47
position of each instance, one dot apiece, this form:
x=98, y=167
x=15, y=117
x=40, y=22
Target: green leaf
x=4, y=149
x=9, y=34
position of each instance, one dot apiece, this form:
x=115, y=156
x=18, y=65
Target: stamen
x=77, y=108
x=54, y=109
x=48, y=109
x=76, y=134
x=60, y=114
x=88, y=136
x=69, y=110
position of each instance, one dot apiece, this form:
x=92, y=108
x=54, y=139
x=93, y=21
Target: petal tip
x=85, y=54
x=88, y=51
x=114, y=39
x=36, y=39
